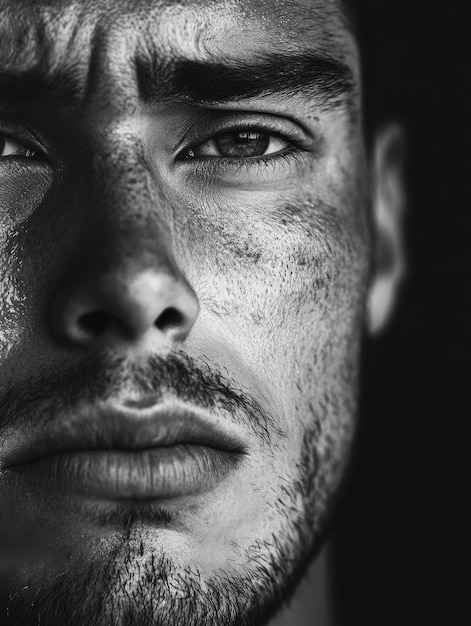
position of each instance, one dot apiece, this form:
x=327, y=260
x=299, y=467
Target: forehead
x=69, y=32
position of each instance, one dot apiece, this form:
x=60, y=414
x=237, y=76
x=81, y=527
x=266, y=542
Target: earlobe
x=387, y=212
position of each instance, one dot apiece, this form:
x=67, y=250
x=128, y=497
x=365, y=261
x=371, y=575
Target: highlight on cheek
x=22, y=189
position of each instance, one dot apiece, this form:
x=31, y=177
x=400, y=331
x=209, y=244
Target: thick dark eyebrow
x=328, y=81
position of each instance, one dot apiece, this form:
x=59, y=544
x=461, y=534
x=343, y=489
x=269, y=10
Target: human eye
x=11, y=147
x=244, y=145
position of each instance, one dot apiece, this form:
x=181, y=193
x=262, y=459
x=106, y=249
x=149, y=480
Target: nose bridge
x=129, y=206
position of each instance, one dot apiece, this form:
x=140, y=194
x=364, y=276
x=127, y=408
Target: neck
x=310, y=604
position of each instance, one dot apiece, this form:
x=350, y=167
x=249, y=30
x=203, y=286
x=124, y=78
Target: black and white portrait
x=232, y=313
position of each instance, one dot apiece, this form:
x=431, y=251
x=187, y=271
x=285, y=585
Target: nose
x=125, y=306
x=121, y=281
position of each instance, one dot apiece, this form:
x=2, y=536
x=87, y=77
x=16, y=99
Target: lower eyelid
x=270, y=164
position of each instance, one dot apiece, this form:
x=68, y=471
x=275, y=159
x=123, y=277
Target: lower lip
x=164, y=472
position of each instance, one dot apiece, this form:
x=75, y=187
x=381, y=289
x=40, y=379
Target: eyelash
x=32, y=152
x=285, y=158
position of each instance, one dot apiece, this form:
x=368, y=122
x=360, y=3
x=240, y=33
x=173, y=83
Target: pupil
x=243, y=144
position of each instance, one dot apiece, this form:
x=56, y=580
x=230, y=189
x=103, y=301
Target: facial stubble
x=136, y=584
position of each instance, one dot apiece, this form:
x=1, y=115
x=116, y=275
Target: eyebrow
x=328, y=82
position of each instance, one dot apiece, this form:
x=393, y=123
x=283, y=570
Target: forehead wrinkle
x=161, y=55
x=199, y=22
x=79, y=46
x=44, y=38
x=217, y=29
x=50, y=50
x=76, y=45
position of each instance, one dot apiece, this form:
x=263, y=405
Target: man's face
x=184, y=266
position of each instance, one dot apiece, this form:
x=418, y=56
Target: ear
x=387, y=211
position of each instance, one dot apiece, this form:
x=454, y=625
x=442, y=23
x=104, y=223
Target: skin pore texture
x=138, y=265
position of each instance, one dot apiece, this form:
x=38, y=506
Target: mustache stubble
x=99, y=378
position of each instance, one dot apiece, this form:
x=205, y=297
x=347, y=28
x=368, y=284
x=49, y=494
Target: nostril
x=170, y=321
x=94, y=323
x=149, y=308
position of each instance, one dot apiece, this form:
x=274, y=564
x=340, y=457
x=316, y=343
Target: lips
x=111, y=452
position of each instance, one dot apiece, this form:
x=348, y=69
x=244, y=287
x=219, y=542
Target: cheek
x=11, y=289
x=22, y=189
x=309, y=344
x=280, y=275
x=286, y=291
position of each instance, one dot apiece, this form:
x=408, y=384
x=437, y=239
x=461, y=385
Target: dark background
x=402, y=543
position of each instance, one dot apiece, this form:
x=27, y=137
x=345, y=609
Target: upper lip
x=116, y=427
